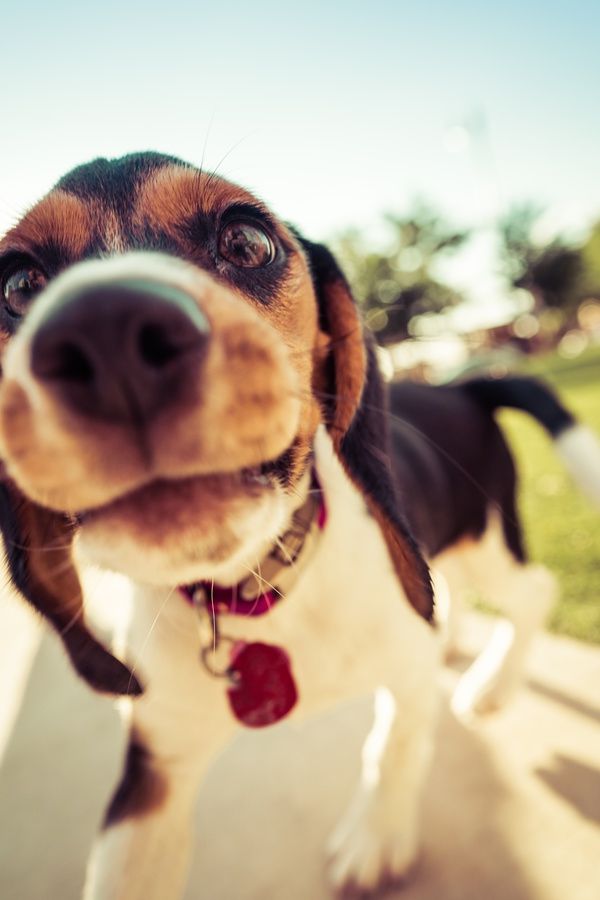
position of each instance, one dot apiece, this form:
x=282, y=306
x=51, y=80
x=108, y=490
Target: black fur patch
x=113, y=181
x=141, y=788
x=527, y=394
x=452, y=465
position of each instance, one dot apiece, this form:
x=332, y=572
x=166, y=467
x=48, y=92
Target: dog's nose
x=120, y=351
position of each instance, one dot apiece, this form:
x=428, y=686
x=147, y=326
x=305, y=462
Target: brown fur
x=60, y=219
x=175, y=194
x=347, y=344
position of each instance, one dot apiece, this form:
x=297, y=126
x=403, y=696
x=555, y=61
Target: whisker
x=73, y=620
x=213, y=175
x=63, y=566
x=291, y=489
x=291, y=562
x=261, y=578
x=213, y=614
x=264, y=580
x=38, y=548
x=205, y=144
x=297, y=353
x=149, y=634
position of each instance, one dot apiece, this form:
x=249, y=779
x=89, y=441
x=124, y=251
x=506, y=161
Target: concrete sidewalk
x=512, y=807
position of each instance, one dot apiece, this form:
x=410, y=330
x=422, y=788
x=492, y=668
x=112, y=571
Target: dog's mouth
x=179, y=530
x=247, y=482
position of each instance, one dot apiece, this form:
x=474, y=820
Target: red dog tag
x=263, y=691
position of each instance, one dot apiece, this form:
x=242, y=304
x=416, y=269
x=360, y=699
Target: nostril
x=159, y=343
x=65, y=361
x=155, y=347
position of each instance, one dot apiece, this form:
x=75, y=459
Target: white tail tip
x=579, y=449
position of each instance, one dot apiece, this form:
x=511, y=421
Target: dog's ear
x=38, y=553
x=357, y=419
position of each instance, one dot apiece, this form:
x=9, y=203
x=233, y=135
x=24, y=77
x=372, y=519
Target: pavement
x=512, y=810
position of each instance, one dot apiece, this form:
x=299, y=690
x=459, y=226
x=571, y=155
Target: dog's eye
x=246, y=244
x=19, y=287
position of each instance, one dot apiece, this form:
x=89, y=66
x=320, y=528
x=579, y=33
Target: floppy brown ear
x=357, y=419
x=38, y=552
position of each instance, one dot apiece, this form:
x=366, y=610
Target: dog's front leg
x=175, y=729
x=143, y=849
x=378, y=838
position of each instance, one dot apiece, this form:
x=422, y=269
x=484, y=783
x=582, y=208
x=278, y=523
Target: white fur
x=348, y=629
x=579, y=449
x=523, y=593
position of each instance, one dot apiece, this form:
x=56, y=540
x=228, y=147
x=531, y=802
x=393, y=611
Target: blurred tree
x=397, y=284
x=552, y=273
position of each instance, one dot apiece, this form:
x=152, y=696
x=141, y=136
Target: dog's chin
x=176, y=532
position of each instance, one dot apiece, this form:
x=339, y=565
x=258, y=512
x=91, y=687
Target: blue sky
x=331, y=112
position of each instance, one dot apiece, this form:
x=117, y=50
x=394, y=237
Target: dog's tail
x=576, y=444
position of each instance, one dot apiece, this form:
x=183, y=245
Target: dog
x=189, y=398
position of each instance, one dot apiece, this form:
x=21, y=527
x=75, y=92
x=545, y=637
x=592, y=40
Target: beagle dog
x=189, y=398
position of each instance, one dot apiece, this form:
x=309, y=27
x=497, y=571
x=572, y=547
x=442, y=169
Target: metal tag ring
x=205, y=654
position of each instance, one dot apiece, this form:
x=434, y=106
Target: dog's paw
x=363, y=857
x=475, y=696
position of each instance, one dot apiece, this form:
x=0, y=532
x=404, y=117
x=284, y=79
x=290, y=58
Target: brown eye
x=20, y=287
x=246, y=245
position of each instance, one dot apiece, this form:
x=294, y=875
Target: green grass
x=562, y=529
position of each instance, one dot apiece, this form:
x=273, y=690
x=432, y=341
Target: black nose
x=122, y=350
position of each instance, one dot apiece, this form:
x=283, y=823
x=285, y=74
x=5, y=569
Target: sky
x=332, y=112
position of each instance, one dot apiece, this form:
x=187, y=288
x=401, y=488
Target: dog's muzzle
x=120, y=351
